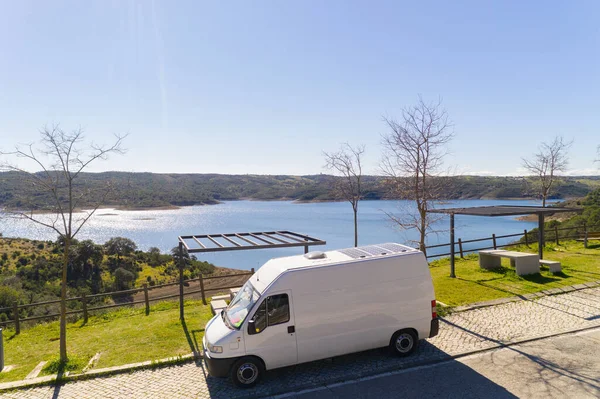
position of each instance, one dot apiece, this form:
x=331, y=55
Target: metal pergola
x=239, y=241
x=502, y=210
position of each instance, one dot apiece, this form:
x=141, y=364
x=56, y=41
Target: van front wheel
x=404, y=342
x=246, y=372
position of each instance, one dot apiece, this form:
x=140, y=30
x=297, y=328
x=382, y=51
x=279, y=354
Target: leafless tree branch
x=347, y=162
x=414, y=152
x=551, y=159
x=61, y=157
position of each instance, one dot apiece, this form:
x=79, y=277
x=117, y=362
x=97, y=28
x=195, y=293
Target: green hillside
x=149, y=190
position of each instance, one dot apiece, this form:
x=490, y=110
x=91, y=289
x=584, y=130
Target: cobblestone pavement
x=460, y=333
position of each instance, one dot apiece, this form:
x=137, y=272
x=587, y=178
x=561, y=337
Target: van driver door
x=270, y=333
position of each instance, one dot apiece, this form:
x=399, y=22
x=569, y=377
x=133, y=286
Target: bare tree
x=414, y=150
x=551, y=159
x=347, y=162
x=61, y=157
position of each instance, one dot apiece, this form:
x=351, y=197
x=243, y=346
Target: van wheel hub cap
x=404, y=343
x=247, y=373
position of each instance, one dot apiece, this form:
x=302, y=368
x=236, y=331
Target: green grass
x=123, y=336
x=473, y=284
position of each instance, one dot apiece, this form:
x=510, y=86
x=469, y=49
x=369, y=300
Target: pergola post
x=541, y=235
x=181, y=262
x=452, y=246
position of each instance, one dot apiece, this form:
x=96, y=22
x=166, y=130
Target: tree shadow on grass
x=539, y=279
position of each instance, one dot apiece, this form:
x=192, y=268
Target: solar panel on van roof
x=374, y=250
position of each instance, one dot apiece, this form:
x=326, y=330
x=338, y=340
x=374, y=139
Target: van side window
x=260, y=317
x=272, y=311
x=278, y=308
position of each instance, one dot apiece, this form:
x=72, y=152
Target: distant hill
x=151, y=190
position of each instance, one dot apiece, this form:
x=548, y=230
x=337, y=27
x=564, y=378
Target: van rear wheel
x=404, y=342
x=246, y=372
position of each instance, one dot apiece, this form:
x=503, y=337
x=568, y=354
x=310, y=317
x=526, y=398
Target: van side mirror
x=252, y=327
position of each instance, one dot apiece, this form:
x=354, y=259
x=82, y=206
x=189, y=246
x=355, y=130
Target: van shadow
x=359, y=365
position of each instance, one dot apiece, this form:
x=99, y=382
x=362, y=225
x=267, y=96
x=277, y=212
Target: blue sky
x=265, y=86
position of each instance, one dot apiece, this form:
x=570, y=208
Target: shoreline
x=126, y=208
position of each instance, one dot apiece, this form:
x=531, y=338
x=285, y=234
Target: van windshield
x=241, y=305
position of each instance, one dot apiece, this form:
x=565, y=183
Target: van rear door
x=270, y=331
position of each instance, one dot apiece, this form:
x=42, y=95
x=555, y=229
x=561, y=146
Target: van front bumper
x=435, y=328
x=218, y=367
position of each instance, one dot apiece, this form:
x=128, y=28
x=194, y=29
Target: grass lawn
x=123, y=336
x=473, y=284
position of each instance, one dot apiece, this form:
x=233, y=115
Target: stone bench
x=217, y=306
x=524, y=263
x=220, y=298
x=553, y=265
x=233, y=292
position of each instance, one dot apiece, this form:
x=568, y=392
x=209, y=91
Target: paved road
x=567, y=366
x=460, y=333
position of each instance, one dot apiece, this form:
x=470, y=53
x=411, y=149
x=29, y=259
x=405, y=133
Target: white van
x=323, y=304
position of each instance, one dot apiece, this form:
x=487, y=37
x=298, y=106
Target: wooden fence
x=86, y=299
x=551, y=234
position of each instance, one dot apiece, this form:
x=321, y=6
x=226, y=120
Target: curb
x=99, y=373
x=526, y=297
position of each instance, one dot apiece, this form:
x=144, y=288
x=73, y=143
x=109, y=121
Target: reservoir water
x=330, y=221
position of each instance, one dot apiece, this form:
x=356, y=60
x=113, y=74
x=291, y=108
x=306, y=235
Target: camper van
x=322, y=304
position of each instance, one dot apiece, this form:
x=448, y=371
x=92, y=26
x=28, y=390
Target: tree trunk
x=355, y=227
x=63, y=303
x=543, y=201
x=423, y=229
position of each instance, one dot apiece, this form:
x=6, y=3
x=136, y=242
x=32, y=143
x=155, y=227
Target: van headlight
x=215, y=348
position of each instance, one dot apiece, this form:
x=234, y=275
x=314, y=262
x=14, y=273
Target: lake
x=330, y=221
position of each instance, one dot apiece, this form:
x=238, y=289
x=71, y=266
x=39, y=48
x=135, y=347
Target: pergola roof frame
x=502, y=210
x=245, y=241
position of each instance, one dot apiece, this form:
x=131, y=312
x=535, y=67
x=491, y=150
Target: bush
x=123, y=279
x=23, y=261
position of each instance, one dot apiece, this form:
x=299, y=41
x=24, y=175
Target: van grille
x=375, y=250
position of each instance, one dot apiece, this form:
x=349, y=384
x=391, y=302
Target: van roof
x=268, y=272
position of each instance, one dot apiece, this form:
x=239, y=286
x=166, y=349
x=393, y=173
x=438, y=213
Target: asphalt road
x=567, y=366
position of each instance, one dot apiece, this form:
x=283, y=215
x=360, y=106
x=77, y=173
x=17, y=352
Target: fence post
x=85, y=312
x=556, y=234
x=460, y=248
x=146, y=299
x=201, y=279
x=526, y=238
x=494, y=238
x=17, y=322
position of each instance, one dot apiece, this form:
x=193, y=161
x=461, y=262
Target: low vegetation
x=121, y=337
x=30, y=272
x=473, y=284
